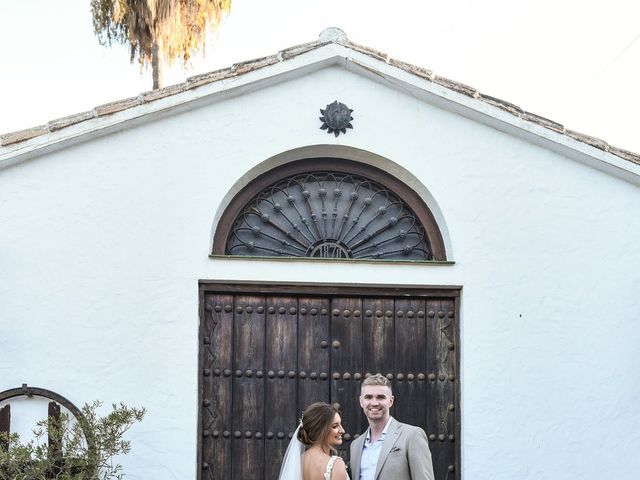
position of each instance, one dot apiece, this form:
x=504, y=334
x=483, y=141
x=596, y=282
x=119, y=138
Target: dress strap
x=327, y=473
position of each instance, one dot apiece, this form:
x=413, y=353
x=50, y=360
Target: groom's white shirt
x=370, y=454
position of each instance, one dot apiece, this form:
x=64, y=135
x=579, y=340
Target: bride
x=321, y=431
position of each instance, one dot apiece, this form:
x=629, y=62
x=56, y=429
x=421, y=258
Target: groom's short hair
x=376, y=379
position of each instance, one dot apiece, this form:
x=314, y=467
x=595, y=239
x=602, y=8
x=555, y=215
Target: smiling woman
x=321, y=425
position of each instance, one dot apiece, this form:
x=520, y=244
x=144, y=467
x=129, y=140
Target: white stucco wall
x=102, y=245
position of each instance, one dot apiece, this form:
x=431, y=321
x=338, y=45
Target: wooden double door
x=266, y=352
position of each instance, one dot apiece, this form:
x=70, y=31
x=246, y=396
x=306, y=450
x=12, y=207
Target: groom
x=388, y=450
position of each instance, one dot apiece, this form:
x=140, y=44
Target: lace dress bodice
x=327, y=472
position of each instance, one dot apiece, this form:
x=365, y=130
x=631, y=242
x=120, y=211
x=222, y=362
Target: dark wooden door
x=265, y=356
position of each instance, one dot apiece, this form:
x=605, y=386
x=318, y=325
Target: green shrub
x=64, y=448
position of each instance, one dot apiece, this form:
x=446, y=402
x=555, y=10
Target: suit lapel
x=393, y=434
x=355, y=458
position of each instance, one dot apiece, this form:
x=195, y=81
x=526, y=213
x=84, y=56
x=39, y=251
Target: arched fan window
x=329, y=208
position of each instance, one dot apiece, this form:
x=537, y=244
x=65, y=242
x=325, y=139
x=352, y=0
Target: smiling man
x=388, y=450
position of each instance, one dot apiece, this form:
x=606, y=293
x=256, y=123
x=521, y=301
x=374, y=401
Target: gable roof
x=332, y=47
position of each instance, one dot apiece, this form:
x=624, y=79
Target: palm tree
x=157, y=30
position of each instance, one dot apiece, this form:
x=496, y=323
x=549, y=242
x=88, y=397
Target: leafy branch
x=67, y=448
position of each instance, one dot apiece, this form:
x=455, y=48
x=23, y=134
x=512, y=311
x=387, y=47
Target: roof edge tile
x=626, y=154
x=415, y=70
x=502, y=104
x=368, y=51
x=22, y=135
x=64, y=122
x=255, y=64
x=456, y=86
x=210, y=77
x=151, y=95
x=593, y=141
x=300, y=49
x=117, y=106
x=545, y=122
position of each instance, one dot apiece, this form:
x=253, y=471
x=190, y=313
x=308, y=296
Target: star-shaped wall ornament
x=336, y=118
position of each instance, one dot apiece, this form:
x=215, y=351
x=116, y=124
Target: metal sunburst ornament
x=336, y=118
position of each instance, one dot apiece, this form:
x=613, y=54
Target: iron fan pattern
x=328, y=215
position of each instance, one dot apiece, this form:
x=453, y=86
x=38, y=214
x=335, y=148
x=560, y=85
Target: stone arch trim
x=235, y=206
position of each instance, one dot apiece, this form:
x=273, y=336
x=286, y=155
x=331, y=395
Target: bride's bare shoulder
x=313, y=464
x=339, y=471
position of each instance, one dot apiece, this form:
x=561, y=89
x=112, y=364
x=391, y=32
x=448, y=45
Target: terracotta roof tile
x=594, y=142
x=296, y=50
x=418, y=71
x=369, y=51
x=164, y=92
x=64, y=122
x=502, y=104
x=22, y=135
x=545, y=122
x=210, y=77
x=626, y=154
x=255, y=64
x=456, y=86
x=117, y=106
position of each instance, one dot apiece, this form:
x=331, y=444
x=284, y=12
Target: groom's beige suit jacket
x=404, y=454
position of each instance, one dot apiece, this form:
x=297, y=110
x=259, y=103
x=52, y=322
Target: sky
x=575, y=62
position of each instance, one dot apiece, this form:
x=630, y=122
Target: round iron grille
x=328, y=215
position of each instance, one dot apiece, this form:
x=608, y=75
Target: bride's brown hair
x=316, y=424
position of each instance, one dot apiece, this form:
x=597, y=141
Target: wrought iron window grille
x=326, y=214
